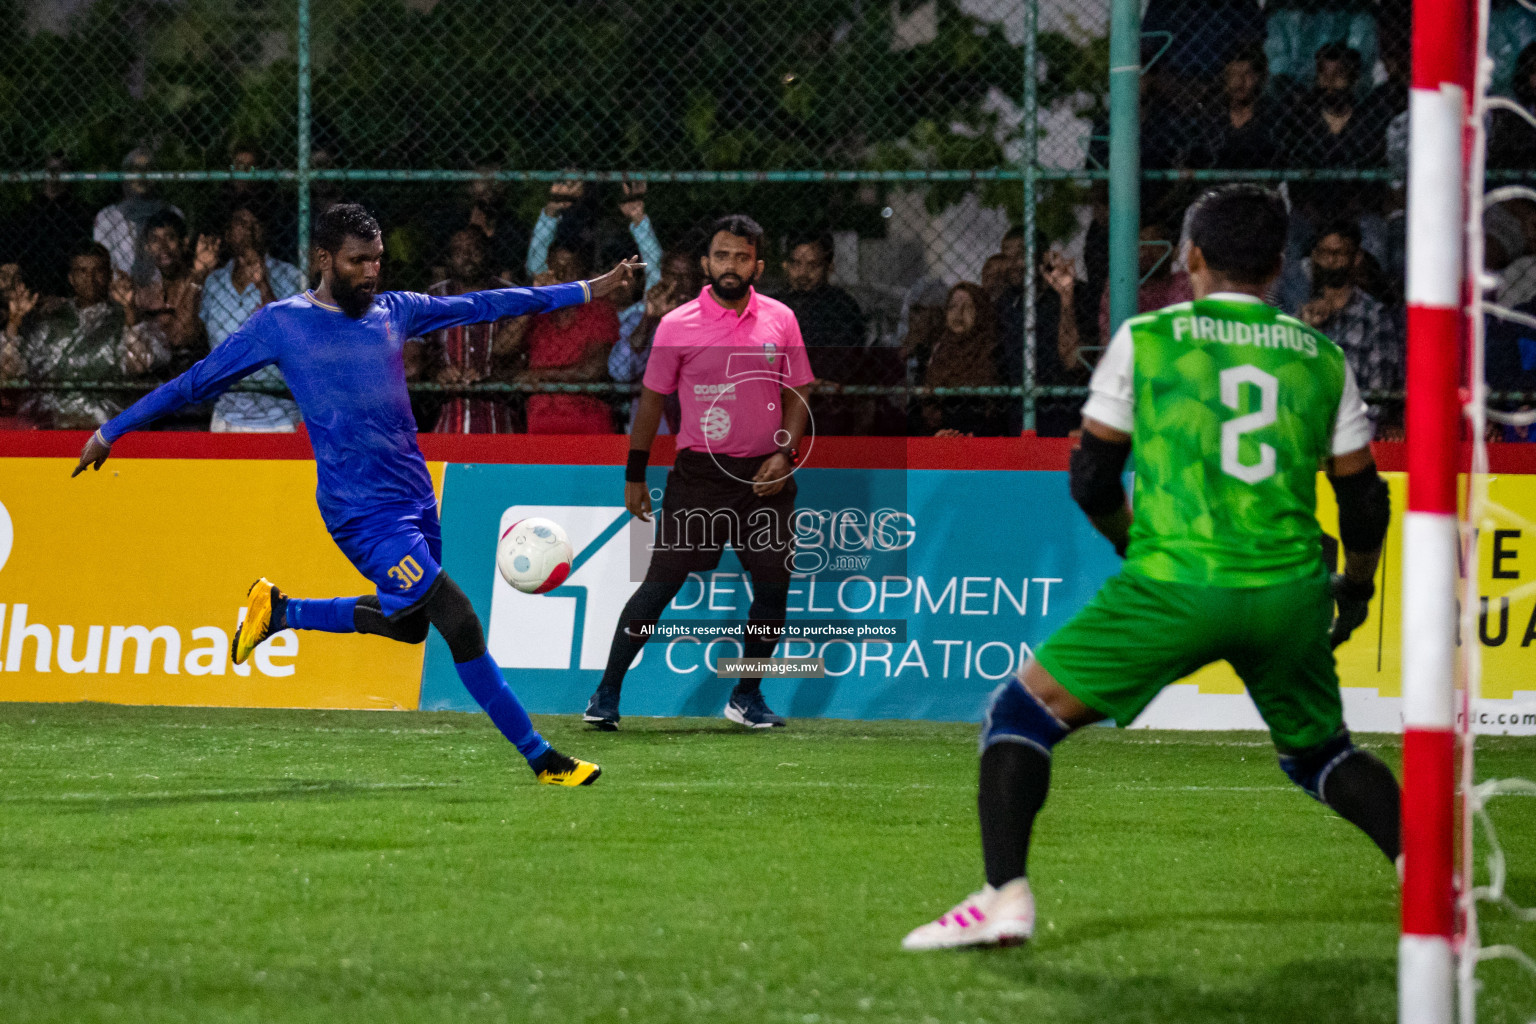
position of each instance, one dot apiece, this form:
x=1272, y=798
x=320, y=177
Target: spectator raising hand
x=1062, y=278
x=121, y=294
x=249, y=280
x=87, y=337
x=205, y=259
x=562, y=194
x=633, y=203
x=1324, y=306
x=659, y=301
x=251, y=266
x=169, y=304
x=543, y=252
x=681, y=280
x=22, y=301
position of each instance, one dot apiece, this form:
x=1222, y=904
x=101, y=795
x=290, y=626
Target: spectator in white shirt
x=120, y=227
x=247, y=281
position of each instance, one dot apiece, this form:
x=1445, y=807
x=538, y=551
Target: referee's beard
x=732, y=287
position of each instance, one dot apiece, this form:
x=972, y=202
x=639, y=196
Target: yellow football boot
x=257, y=625
x=558, y=770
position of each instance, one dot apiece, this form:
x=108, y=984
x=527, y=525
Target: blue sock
x=328, y=615
x=482, y=678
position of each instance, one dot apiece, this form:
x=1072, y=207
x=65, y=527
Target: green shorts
x=1138, y=635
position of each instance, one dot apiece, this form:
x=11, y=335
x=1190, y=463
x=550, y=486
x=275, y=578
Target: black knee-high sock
x=621, y=655
x=1015, y=778
x=755, y=649
x=769, y=601
x=644, y=606
x=1364, y=792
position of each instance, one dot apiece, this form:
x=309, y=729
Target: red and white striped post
x=1438, y=108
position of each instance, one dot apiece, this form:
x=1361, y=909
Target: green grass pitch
x=165, y=864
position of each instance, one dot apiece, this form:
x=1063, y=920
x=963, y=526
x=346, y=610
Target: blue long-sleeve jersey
x=349, y=380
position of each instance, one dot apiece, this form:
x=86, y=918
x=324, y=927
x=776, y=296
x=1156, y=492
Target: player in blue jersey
x=338, y=347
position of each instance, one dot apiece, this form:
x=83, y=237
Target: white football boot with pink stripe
x=992, y=917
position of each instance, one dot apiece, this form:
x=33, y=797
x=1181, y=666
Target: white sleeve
x=1112, y=396
x=114, y=231
x=1352, y=428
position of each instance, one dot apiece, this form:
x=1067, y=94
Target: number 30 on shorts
x=408, y=572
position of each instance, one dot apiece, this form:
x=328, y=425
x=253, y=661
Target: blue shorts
x=399, y=551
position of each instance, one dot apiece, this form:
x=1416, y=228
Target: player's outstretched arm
x=619, y=280
x=430, y=313
x=242, y=353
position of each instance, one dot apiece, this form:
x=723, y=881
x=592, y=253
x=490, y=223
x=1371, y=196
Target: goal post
x=1437, y=290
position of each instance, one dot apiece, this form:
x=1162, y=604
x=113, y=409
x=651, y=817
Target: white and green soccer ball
x=534, y=555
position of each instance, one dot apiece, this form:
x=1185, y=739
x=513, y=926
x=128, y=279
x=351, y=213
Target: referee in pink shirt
x=737, y=363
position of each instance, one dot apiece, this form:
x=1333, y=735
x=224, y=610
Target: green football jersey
x=1231, y=406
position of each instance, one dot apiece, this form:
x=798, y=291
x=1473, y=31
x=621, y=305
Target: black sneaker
x=603, y=709
x=752, y=711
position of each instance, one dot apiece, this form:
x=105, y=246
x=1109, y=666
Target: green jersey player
x=1230, y=408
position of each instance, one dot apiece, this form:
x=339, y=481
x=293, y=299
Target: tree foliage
x=814, y=85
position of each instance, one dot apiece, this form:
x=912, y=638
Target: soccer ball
x=534, y=555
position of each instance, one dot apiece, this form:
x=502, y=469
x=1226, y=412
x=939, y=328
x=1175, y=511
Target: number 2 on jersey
x=1232, y=380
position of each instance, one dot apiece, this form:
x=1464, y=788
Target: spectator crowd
x=128, y=293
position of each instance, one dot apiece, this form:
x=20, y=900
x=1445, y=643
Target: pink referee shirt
x=727, y=371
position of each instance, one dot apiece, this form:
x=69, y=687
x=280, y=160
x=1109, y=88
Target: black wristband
x=792, y=454
x=634, y=470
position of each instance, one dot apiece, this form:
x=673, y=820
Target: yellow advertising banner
x=123, y=585
x=1506, y=567
x=1370, y=662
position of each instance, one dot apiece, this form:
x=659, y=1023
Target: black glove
x=1354, y=602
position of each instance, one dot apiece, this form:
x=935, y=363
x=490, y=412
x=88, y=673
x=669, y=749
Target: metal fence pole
x=303, y=139
x=1031, y=158
x=1124, y=159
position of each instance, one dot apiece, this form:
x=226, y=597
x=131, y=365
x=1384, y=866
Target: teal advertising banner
x=980, y=564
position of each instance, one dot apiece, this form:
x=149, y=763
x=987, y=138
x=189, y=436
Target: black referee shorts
x=708, y=504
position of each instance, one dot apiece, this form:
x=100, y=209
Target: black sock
x=550, y=759
x=754, y=649
x=1364, y=792
x=643, y=608
x=1015, y=778
x=620, y=656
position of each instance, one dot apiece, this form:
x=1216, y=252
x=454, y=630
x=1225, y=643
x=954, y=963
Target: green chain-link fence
x=950, y=268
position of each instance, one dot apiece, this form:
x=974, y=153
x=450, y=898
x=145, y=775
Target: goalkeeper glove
x=1353, y=599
